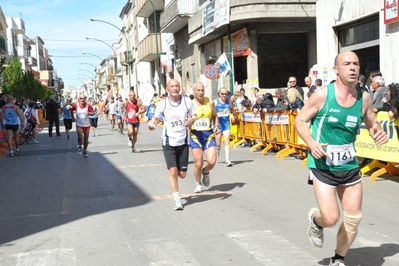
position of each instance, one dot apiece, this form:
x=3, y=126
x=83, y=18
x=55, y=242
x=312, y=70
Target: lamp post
x=87, y=71
x=88, y=64
x=113, y=51
x=156, y=44
x=93, y=55
x=127, y=46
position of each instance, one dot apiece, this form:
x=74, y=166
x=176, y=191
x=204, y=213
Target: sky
x=63, y=26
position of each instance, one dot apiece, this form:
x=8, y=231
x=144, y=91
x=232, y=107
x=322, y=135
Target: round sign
x=211, y=71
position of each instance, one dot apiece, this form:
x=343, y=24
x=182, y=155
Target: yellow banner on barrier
x=389, y=152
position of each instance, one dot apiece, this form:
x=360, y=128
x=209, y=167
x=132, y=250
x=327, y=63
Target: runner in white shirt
x=179, y=115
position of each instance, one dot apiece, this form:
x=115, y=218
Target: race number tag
x=131, y=114
x=176, y=123
x=340, y=154
x=201, y=124
x=223, y=112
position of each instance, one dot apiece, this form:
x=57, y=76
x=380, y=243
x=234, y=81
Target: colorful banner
x=239, y=42
x=391, y=13
x=389, y=152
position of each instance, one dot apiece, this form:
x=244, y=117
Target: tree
x=13, y=79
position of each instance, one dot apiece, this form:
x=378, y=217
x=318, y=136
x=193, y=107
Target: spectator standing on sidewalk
x=83, y=110
x=53, y=116
x=179, y=115
x=9, y=121
x=332, y=160
x=202, y=136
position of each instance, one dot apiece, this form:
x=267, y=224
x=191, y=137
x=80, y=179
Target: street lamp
x=87, y=71
x=156, y=44
x=93, y=55
x=127, y=46
x=88, y=64
x=113, y=51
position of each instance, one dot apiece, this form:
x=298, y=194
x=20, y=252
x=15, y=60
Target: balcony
x=17, y=25
x=147, y=50
x=175, y=16
x=31, y=61
x=144, y=8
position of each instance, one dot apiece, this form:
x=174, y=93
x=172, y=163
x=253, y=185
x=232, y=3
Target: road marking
x=32, y=216
x=271, y=249
x=160, y=252
x=139, y=165
x=49, y=257
x=182, y=196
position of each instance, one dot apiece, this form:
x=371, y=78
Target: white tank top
x=82, y=119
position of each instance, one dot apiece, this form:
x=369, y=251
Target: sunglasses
x=82, y=98
x=223, y=93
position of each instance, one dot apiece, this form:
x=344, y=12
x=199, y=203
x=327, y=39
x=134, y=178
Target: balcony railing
x=175, y=16
x=147, y=49
x=144, y=7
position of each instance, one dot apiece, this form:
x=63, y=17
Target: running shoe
x=337, y=263
x=94, y=134
x=228, y=164
x=217, y=151
x=315, y=233
x=133, y=149
x=35, y=141
x=11, y=154
x=122, y=132
x=85, y=155
x=178, y=205
x=198, y=188
x=68, y=137
x=79, y=150
x=17, y=151
x=129, y=142
x=206, y=178
x=119, y=130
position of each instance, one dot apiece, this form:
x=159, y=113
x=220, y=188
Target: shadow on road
x=368, y=256
x=52, y=186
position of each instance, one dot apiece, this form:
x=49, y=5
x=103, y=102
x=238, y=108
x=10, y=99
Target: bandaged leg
x=348, y=231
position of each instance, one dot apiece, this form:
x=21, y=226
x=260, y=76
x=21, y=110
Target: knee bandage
x=348, y=231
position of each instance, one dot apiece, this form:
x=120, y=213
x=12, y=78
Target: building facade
x=369, y=28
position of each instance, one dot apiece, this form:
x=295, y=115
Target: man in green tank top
x=336, y=112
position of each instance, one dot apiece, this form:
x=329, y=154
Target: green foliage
x=23, y=84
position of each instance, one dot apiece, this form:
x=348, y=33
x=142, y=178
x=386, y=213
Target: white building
x=369, y=28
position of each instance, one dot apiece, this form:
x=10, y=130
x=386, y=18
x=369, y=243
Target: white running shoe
x=198, y=188
x=315, y=233
x=228, y=164
x=35, y=141
x=79, y=150
x=129, y=143
x=85, y=155
x=178, y=205
x=337, y=263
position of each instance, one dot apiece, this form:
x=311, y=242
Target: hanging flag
x=223, y=64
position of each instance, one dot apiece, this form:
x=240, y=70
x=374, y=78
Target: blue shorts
x=135, y=125
x=224, y=124
x=118, y=117
x=202, y=139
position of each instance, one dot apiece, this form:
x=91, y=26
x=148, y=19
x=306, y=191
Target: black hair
x=268, y=95
x=394, y=99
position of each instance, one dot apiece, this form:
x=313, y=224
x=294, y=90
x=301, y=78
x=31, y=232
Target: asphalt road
x=116, y=208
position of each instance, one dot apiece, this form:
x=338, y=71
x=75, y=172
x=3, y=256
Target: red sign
x=391, y=13
x=44, y=82
x=211, y=72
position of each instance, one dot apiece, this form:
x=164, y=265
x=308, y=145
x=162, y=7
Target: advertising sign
x=391, y=11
